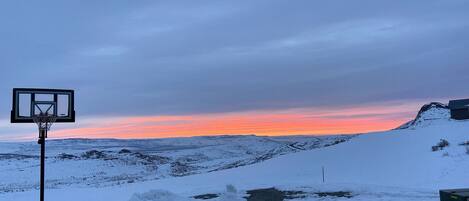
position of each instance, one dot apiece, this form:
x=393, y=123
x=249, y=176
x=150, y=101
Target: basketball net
x=44, y=121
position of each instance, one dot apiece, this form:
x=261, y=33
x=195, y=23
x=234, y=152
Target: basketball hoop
x=44, y=121
x=42, y=108
x=44, y=115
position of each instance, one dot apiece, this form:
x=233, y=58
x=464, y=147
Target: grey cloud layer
x=183, y=57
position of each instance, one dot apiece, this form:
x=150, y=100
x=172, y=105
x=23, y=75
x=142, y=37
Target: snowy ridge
x=429, y=113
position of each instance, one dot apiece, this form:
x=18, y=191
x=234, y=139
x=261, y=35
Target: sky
x=147, y=69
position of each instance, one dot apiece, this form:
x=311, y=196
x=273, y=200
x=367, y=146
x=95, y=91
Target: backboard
x=30, y=102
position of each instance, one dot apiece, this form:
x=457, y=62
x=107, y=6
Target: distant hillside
x=108, y=162
x=428, y=113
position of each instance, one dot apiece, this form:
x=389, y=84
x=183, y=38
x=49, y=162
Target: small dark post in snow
x=323, y=179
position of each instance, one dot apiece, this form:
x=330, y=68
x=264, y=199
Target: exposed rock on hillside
x=428, y=113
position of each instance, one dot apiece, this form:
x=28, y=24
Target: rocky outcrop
x=428, y=112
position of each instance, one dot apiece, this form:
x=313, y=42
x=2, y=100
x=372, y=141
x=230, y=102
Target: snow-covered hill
x=428, y=114
x=402, y=164
x=107, y=162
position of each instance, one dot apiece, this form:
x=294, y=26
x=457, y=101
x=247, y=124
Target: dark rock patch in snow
x=94, y=154
x=125, y=151
x=273, y=194
x=64, y=156
x=206, y=196
x=440, y=145
x=179, y=169
x=151, y=159
x=336, y=142
x=16, y=156
x=430, y=106
x=340, y=194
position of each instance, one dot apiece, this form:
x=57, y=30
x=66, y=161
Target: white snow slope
x=109, y=162
x=393, y=165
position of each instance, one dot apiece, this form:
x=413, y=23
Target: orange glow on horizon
x=288, y=122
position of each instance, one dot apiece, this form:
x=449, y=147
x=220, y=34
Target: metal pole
x=42, y=141
x=323, y=178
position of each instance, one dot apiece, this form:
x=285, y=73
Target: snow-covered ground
x=108, y=162
x=393, y=165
